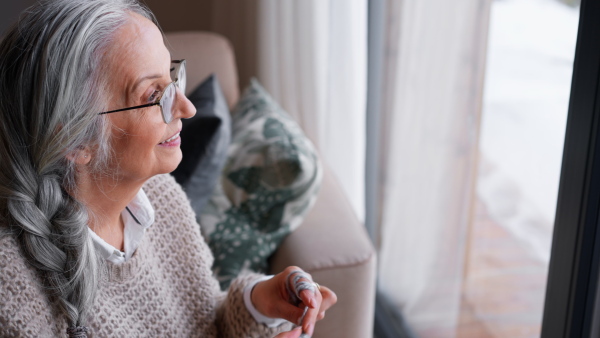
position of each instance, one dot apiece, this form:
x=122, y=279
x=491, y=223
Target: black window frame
x=573, y=273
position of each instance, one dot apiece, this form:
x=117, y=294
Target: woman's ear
x=80, y=156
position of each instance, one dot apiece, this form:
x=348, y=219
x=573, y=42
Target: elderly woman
x=96, y=237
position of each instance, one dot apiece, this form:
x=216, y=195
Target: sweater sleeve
x=234, y=319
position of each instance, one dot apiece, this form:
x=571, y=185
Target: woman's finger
x=325, y=298
x=290, y=312
x=329, y=298
x=310, y=318
x=297, y=282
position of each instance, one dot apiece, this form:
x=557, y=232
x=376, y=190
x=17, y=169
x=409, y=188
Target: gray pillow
x=204, y=142
x=270, y=181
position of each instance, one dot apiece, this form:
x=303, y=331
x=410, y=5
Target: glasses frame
x=179, y=64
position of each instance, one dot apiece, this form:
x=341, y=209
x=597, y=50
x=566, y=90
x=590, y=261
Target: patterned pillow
x=270, y=181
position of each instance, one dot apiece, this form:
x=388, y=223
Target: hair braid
x=51, y=88
x=57, y=244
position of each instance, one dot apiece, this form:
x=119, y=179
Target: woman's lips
x=172, y=141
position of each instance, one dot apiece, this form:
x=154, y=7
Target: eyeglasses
x=167, y=97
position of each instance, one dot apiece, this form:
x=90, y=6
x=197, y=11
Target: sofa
x=331, y=243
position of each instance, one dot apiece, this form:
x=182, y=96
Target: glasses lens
x=181, y=77
x=167, y=101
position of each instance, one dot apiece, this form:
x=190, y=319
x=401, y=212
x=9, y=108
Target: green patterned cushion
x=270, y=181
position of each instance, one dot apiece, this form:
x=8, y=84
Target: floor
x=504, y=287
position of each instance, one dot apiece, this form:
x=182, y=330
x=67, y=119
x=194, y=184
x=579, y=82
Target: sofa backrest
x=206, y=53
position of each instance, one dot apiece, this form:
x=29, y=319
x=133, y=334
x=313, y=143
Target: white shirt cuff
x=269, y=322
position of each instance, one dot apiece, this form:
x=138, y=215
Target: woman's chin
x=174, y=163
x=170, y=158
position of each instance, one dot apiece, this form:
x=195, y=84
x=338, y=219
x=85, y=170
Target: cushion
x=270, y=181
x=204, y=142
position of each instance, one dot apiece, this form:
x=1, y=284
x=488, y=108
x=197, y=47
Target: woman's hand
x=272, y=299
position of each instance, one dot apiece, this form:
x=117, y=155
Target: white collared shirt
x=139, y=216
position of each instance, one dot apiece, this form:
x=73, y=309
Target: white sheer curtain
x=432, y=88
x=312, y=57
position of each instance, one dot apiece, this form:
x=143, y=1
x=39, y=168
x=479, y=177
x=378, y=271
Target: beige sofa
x=331, y=244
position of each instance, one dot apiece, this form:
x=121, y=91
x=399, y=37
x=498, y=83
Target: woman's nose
x=184, y=108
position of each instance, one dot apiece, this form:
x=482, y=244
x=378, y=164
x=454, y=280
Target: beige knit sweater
x=165, y=290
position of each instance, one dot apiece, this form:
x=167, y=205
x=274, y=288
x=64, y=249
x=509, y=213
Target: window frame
x=575, y=256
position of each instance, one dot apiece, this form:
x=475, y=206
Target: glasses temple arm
x=130, y=108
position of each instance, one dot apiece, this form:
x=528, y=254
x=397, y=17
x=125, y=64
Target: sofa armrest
x=333, y=246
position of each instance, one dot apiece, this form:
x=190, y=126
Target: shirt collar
x=140, y=210
x=137, y=219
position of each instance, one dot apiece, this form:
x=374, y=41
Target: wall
x=10, y=12
x=235, y=19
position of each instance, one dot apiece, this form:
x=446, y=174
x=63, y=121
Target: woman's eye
x=154, y=96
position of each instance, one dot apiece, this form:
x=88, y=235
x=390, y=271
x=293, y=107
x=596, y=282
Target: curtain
x=433, y=66
x=310, y=55
x=312, y=58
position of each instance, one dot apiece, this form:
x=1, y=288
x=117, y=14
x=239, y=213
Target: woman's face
x=139, y=66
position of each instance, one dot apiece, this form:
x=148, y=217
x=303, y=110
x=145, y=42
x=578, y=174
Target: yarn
x=297, y=285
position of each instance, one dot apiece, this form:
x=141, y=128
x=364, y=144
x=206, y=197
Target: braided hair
x=51, y=88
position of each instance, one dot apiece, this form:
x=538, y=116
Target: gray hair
x=51, y=88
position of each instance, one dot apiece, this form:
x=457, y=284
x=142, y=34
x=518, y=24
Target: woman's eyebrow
x=145, y=78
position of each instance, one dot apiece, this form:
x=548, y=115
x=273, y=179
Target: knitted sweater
x=165, y=290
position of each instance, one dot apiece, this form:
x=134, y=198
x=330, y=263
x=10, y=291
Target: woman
x=95, y=237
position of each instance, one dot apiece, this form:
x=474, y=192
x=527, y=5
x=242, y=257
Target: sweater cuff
x=259, y=317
